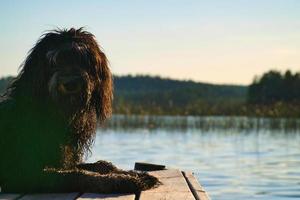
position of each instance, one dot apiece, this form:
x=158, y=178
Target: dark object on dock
x=176, y=185
x=148, y=166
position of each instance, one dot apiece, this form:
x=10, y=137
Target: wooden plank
x=92, y=196
x=166, y=173
x=53, y=196
x=9, y=196
x=174, y=187
x=198, y=190
x=172, y=180
x=167, y=196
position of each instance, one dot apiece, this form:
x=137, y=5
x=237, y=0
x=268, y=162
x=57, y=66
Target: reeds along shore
x=274, y=110
x=234, y=124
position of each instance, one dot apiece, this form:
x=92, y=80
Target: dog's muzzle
x=69, y=91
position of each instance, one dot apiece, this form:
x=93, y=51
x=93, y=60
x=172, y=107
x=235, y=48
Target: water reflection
x=259, y=159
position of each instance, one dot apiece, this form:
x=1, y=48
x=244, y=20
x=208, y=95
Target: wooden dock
x=176, y=185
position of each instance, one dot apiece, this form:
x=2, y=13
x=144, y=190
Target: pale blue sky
x=213, y=41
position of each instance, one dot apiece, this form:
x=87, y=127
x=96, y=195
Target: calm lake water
x=232, y=157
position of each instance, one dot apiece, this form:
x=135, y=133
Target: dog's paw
x=134, y=183
x=150, y=181
x=146, y=180
x=128, y=184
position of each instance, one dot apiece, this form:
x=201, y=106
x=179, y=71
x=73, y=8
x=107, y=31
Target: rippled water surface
x=231, y=159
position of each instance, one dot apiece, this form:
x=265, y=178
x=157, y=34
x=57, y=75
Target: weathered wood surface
x=8, y=196
x=195, y=186
x=61, y=196
x=91, y=196
x=176, y=185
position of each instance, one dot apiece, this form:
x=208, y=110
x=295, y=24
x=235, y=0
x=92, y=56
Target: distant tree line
x=274, y=94
x=273, y=87
x=4, y=82
x=155, y=95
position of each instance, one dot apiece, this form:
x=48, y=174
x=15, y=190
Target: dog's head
x=65, y=82
x=68, y=68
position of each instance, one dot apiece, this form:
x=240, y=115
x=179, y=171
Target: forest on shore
x=273, y=94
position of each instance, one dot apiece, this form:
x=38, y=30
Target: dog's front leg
x=86, y=181
x=104, y=167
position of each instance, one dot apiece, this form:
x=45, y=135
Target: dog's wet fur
x=48, y=119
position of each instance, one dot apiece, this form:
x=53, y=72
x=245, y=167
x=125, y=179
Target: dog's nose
x=70, y=85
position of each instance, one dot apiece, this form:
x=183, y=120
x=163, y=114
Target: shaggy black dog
x=49, y=115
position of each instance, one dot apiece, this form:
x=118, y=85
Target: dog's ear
x=32, y=79
x=103, y=93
